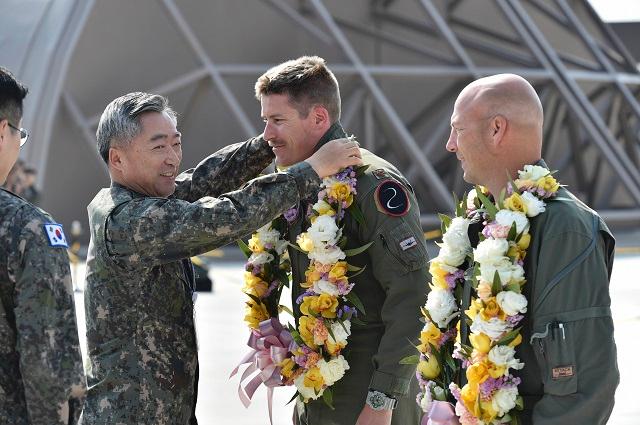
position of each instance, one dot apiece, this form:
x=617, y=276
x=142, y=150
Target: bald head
x=496, y=126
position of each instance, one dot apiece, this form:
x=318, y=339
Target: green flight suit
x=568, y=349
x=41, y=375
x=139, y=307
x=392, y=288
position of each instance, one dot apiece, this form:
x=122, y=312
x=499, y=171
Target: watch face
x=377, y=400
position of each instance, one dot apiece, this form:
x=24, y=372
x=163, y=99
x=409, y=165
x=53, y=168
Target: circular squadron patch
x=392, y=199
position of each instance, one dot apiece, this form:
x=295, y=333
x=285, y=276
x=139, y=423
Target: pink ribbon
x=440, y=413
x=270, y=346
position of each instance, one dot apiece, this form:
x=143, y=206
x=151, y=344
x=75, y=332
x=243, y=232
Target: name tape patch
x=408, y=243
x=392, y=199
x=562, y=372
x=55, y=234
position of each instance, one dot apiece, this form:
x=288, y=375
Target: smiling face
x=149, y=163
x=292, y=137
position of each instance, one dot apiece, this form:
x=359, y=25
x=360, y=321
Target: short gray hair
x=120, y=121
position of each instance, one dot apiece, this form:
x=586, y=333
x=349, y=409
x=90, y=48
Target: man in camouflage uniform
x=301, y=107
x=41, y=375
x=570, y=370
x=144, y=228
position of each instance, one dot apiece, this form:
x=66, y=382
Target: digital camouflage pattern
x=41, y=375
x=139, y=307
x=392, y=288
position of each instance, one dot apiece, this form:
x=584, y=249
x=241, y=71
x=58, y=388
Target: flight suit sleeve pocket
x=406, y=250
x=555, y=351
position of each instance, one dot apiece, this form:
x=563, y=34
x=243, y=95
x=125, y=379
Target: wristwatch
x=380, y=401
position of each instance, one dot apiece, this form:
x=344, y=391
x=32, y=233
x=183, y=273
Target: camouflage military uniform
x=392, y=289
x=41, y=375
x=140, y=329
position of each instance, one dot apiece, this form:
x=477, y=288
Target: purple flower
x=291, y=214
x=514, y=320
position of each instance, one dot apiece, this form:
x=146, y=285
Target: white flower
x=493, y=328
x=451, y=256
x=532, y=172
x=281, y=246
x=508, y=272
x=425, y=401
x=456, y=236
x=339, y=332
x=268, y=235
x=507, y=218
x=504, y=400
x=503, y=355
x=325, y=287
x=439, y=393
x=490, y=250
x=511, y=302
x=471, y=197
x=324, y=230
x=306, y=392
x=534, y=205
x=442, y=306
x=327, y=255
x=259, y=258
x=333, y=370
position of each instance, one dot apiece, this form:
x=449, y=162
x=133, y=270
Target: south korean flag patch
x=55, y=235
x=392, y=199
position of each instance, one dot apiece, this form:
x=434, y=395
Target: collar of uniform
x=334, y=132
x=133, y=193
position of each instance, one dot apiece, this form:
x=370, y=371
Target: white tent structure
x=400, y=64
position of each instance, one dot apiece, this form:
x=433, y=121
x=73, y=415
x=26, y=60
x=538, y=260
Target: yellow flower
x=474, y=308
x=341, y=191
x=255, y=245
x=286, y=367
x=431, y=335
x=516, y=341
x=491, y=309
x=438, y=275
x=524, y=241
x=480, y=342
x=429, y=368
x=312, y=275
x=313, y=379
x=338, y=270
x=327, y=306
x=254, y=285
x=515, y=252
x=309, y=305
x=548, y=183
x=488, y=413
x=306, y=326
x=334, y=349
x=255, y=313
x=469, y=396
x=494, y=370
x=304, y=242
x=477, y=373
x=515, y=203
x=323, y=208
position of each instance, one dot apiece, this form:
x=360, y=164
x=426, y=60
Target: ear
x=117, y=160
x=497, y=129
x=320, y=116
x=4, y=127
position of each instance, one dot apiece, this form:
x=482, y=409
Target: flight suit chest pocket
x=555, y=352
x=406, y=249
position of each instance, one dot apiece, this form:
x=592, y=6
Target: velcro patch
x=380, y=174
x=392, y=199
x=562, y=372
x=408, y=243
x=55, y=235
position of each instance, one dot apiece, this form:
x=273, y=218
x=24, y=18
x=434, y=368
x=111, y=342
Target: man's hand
x=334, y=156
x=368, y=416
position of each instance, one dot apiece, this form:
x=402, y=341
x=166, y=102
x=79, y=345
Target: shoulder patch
x=392, y=199
x=55, y=234
x=380, y=174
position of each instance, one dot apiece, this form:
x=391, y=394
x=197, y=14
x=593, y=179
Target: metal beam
x=304, y=23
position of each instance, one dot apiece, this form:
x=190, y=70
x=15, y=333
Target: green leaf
x=353, y=299
x=356, y=251
x=343, y=242
x=501, y=199
x=449, y=360
x=505, y=340
x=413, y=359
x=514, y=287
x=294, y=397
x=356, y=213
x=513, y=232
x=519, y=403
x=497, y=286
x=357, y=321
x=296, y=247
x=327, y=396
x=488, y=205
x=362, y=269
x=353, y=268
x=462, y=207
x=244, y=248
x=445, y=221
x=254, y=298
x=361, y=170
x=286, y=309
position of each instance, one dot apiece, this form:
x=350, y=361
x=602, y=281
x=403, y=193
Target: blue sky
x=617, y=10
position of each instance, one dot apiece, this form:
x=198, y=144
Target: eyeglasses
x=24, y=134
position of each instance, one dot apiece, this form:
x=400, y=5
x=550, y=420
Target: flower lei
x=495, y=271
x=328, y=306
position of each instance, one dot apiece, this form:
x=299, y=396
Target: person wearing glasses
x=41, y=375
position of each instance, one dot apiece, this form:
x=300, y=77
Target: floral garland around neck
x=495, y=270
x=313, y=362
